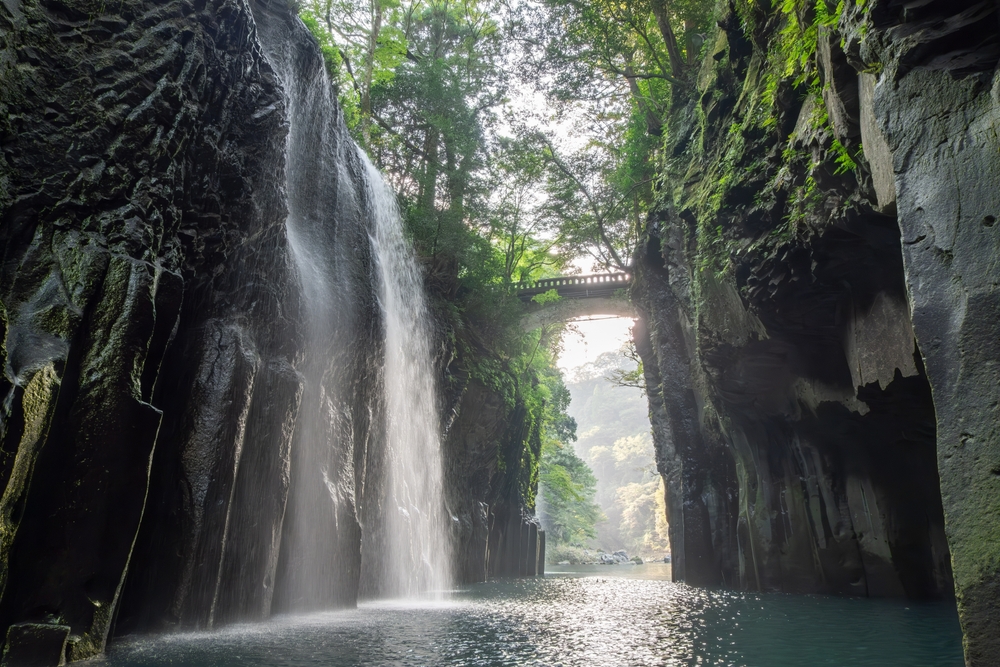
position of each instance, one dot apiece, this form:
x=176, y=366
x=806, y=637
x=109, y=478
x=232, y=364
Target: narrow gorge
x=238, y=388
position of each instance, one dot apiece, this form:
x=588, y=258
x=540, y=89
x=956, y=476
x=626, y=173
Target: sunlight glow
x=588, y=338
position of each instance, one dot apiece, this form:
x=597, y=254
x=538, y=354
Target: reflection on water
x=610, y=615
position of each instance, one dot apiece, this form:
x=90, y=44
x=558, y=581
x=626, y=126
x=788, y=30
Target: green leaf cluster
x=566, y=483
x=614, y=440
x=489, y=201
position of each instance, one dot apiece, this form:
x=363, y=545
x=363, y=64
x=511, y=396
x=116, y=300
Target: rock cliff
x=819, y=298
x=143, y=251
x=155, y=363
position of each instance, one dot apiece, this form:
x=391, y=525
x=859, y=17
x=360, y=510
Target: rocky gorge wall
x=818, y=293
x=143, y=251
x=495, y=534
x=154, y=353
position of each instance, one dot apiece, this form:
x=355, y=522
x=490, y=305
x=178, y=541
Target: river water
x=583, y=616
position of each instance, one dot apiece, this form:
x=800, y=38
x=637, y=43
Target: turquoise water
x=583, y=616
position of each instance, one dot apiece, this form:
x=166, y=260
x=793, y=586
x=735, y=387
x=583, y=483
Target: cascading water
x=366, y=507
x=415, y=553
x=320, y=559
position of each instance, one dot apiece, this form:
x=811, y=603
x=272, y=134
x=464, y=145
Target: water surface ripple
x=611, y=616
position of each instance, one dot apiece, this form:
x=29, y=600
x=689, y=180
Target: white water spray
x=366, y=511
x=418, y=555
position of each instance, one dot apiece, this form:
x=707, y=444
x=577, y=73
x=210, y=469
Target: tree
x=421, y=82
x=598, y=206
x=440, y=101
x=622, y=65
x=369, y=44
x=630, y=375
x=614, y=439
x=567, y=485
x=515, y=220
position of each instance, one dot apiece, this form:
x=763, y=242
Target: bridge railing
x=598, y=279
x=576, y=287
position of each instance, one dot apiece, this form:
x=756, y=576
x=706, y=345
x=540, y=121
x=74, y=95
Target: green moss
x=804, y=199
x=331, y=54
x=38, y=405
x=791, y=60
x=713, y=250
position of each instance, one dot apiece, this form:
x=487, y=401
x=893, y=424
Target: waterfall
x=320, y=560
x=366, y=511
x=416, y=549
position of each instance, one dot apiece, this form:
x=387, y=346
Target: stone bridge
x=580, y=296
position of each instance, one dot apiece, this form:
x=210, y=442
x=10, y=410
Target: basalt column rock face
x=151, y=317
x=937, y=103
x=791, y=405
x=493, y=533
x=130, y=186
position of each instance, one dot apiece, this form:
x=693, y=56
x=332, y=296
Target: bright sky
x=589, y=337
x=593, y=337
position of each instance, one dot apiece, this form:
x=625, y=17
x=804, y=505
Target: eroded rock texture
x=163, y=369
x=820, y=337
x=486, y=474
x=134, y=210
x=938, y=104
x=152, y=326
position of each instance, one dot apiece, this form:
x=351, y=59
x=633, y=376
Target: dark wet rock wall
x=494, y=534
x=820, y=339
x=156, y=351
x=938, y=104
x=143, y=249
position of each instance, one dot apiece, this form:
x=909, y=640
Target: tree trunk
x=654, y=125
x=661, y=10
x=428, y=188
x=366, y=84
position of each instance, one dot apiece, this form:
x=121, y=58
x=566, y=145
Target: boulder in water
x=35, y=645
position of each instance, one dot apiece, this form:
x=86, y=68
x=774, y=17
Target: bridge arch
x=599, y=294
x=565, y=310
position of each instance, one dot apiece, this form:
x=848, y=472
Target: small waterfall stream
x=319, y=555
x=416, y=547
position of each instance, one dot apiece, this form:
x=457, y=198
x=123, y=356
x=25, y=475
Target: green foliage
x=549, y=296
x=630, y=373
x=537, y=407
x=614, y=440
x=568, y=512
x=791, y=62
x=331, y=54
x=804, y=199
x=489, y=202
x=787, y=77
x=643, y=524
x=845, y=162
x=362, y=46
x=620, y=66
x=713, y=249
x=514, y=217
